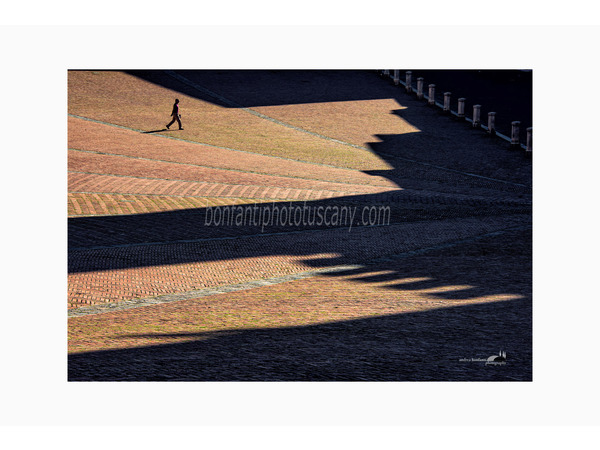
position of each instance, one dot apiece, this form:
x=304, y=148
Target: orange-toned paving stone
x=375, y=115
x=83, y=182
x=129, y=184
x=448, y=274
x=94, y=204
x=90, y=288
x=118, y=273
x=116, y=165
x=105, y=96
x=400, y=319
x=317, y=112
x=297, y=303
x=393, y=287
x=99, y=137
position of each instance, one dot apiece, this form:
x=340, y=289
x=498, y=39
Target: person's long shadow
x=439, y=178
x=450, y=191
x=429, y=194
x=506, y=92
x=154, y=131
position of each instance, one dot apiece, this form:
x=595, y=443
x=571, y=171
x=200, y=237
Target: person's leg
x=179, y=122
x=172, y=122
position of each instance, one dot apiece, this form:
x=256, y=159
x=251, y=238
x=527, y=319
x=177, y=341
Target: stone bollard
x=431, y=100
x=461, y=108
x=396, y=77
x=492, y=123
x=447, y=102
x=529, y=139
x=476, y=116
x=409, y=81
x=514, y=134
x=419, y=88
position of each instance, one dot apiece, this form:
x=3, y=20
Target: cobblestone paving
x=148, y=105
x=413, y=318
x=213, y=182
x=118, y=272
x=93, y=136
x=296, y=301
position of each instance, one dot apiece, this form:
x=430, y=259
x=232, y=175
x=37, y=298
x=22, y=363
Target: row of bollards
x=491, y=125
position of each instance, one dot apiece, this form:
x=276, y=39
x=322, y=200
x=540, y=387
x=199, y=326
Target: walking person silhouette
x=175, y=114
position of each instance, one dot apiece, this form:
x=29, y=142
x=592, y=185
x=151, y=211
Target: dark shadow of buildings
x=442, y=180
x=425, y=346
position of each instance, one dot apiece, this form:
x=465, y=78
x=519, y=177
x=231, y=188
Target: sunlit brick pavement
x=138, y=232
x=421, y=317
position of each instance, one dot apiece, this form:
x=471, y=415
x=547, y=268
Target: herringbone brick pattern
x=408, y=319
x=93, y=204
x=140, y=197
x=98, y=137
x=116, y=273
x=109, y=183
x=104, y=96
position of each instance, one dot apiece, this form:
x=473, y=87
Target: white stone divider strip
x=264, y=116
x=270, y=174
x=168, y=298
x=136, y=177
x=216, y=146
x=257, y=200
x=299, y=160
x=129, y=304
x=204, y=90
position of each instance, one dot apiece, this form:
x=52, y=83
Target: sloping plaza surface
x=181, y=266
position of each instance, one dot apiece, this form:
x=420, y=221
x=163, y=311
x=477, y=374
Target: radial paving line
x=176, y=196
x=128, y=304
x=184, y=80
x=213, y=146
x=221, y=183
x=279, y=122
x=367, y=186
x=168, y=298
x=96, y=152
